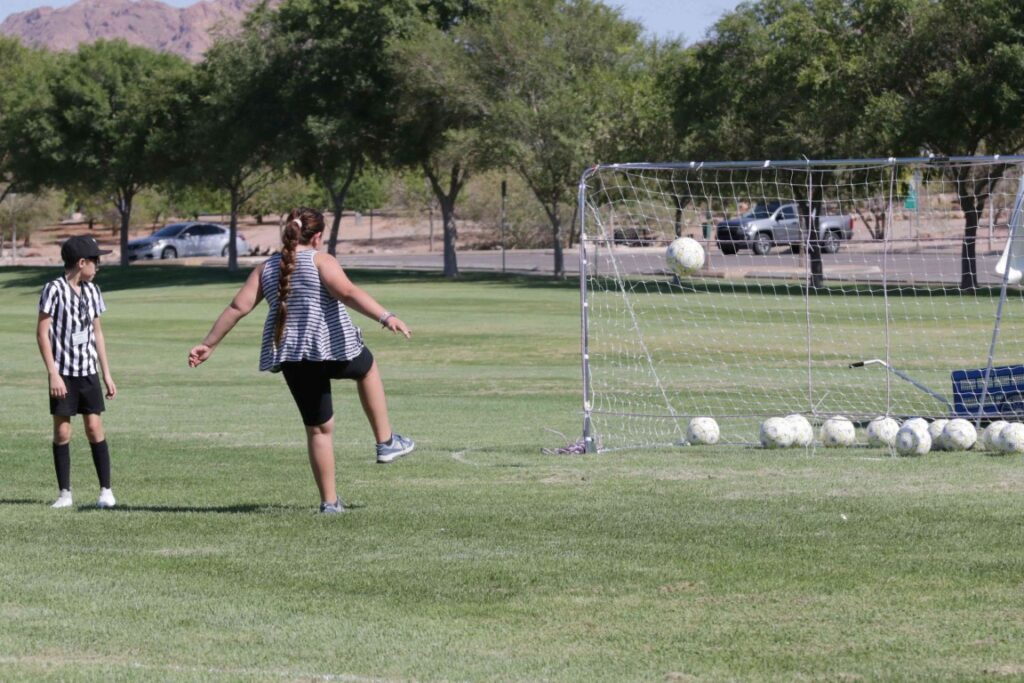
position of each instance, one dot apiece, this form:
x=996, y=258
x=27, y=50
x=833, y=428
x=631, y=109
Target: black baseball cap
x=79, y=247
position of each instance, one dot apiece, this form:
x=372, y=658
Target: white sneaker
x=106, y=499
x=63, y=500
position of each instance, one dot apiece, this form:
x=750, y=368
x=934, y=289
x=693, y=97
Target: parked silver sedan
x=186, y=239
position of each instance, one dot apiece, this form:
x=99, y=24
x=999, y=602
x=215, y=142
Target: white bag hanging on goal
x=1011, y=263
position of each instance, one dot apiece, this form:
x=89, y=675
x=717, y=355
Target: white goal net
x=859, y=288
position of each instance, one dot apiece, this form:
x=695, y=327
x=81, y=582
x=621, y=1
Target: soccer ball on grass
x=1011, y=439
x=777, y=432
x=685, y=256
x=838, y=432
x=703, y=431
x=913, y=439
x=990, y=437
x=936, y=431
x=803, y=432
x=917, y=422
x=959, y=435
x=882, y=431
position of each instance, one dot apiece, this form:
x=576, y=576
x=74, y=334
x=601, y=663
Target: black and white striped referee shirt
x=72, y=337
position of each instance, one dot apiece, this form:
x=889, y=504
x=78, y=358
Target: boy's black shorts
x=310, y=383
x=84, y=397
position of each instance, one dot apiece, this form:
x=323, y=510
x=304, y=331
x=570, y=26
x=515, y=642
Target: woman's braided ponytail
x=301, y=226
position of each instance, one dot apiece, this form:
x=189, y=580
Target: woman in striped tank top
x=309, y=337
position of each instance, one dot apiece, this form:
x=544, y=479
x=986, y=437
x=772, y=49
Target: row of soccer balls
x=914, y=437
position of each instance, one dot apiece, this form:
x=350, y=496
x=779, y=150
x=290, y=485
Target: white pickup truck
x=778, y=224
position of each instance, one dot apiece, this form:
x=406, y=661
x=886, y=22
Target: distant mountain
x=187, y=31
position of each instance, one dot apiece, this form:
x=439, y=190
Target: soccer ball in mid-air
x=838, y=432
x=990, y=437
x=685, y=256
x=882, y=431
x=959, y=435
x=703, y=431
x=777, y=432
x=803, y=432
x=1011, y=439
x=936, y=431
x=913, y=439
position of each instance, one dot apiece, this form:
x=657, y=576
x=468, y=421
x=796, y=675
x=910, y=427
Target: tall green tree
x=441, y=112
x=553, y=72
x=950, y=82
x=778, y=79
x=20, y=97
x=98, y=130
x=230, y=124
x=337, y=85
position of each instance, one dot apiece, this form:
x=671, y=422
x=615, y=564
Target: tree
x=370, y=189
x=282, y=195
x=552, y=72
x=950, y=81
x=778, y=79
x=21, y=214
x=231, y=121
x=440, y=115
x=338, y=83
x=21, y=97
x=98, y=131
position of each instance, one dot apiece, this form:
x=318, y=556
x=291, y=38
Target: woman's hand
x=198, y=354
x=395, y=324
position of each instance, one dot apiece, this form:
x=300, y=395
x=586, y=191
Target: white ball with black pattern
x=803, y=432
x=1011, y=439
x=959, y=435
x=990, y=437
x=935, y=431
x=838, y=432
x=913, y=439
x=684, y=256
x=882, y=431
x=777, y=432
x=703, y=431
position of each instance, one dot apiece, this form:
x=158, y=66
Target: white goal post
x=861, y=287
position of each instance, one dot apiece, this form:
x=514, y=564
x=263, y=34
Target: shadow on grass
x=113, y=278
x=246, y=509
x=23, y=501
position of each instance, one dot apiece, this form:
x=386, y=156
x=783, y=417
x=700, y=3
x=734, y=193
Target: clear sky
x=686, y=19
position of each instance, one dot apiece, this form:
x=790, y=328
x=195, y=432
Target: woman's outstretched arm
x=245, y=300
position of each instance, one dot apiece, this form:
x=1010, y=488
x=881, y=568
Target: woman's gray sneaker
x=394, y=449
x=332, y=508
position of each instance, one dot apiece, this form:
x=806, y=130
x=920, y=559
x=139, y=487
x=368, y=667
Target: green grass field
x=478, y=557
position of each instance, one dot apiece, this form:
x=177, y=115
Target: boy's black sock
x=62, y=463
x=101, y=458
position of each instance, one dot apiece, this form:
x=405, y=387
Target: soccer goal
x=859, y=288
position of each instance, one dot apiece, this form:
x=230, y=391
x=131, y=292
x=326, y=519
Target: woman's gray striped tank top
x=318, y=326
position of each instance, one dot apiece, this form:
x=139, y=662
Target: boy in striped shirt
x=71, y=343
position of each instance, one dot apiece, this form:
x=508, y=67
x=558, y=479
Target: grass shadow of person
x=244, y=509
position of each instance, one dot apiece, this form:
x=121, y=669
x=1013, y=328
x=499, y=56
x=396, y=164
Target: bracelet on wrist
x=385, y=317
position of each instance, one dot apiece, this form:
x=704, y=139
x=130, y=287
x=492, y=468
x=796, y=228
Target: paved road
x=911, y=266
